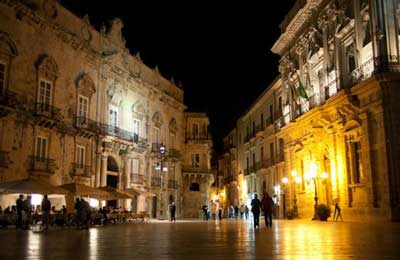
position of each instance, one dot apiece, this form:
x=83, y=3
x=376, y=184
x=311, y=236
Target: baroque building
x=197, y=176
x=327, y=129
x=76, y=106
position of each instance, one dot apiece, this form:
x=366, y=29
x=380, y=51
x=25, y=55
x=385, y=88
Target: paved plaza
x=208, y=240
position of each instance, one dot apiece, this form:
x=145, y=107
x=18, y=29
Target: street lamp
x=163, y=169
x=312, y=175
x=295, y=180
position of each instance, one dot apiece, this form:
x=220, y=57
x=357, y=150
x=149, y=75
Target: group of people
x=215, y=211
x=266, y=205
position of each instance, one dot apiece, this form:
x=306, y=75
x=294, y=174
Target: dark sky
x=221, y=53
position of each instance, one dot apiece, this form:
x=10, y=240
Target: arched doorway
x=112, y=178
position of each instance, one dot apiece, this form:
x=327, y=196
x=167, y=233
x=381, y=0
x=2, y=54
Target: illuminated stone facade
x=197, y=176
x=76, y=106
x=332, y=113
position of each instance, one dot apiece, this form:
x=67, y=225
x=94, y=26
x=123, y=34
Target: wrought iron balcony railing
x=192, y=169
x=174, y=154
x=156, y=181
x=88, y=124
x=8, y=99
x=81, y=170
x=41, y=164
x=172, y=184
x=47, y=110
x=137, y=179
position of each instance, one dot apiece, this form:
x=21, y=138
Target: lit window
x=44, y=95
x=113, y=116
x=80, y=156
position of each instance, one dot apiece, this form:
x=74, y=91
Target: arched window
x=47, y=70
x=7, y=52
x=194, y=187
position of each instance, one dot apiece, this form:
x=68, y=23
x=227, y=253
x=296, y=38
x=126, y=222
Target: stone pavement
x=208, y=240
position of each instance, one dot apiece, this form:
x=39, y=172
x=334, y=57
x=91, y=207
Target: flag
x=301, y=91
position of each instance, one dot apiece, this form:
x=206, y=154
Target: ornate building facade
x=329, y=125
x=76, y=106
x=197, y=175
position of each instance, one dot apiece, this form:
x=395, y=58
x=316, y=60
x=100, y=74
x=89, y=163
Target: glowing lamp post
x=313, y=176
x=295, y=180
x=163, y=169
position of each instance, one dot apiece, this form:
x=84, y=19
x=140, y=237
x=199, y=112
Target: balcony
x=249, y=170
x=266, y=163
x=174, y=155
x=280, y=157
x=268, y=121
x=8, y=102
x=363, y=72
x=115, y=131
x=137, y=179
x=172, y=184
x=87, y=127
x=278, y=114
x=4, y=159
x=259, y=129
x=192, y=169
x=40, y=165
x=156, y=181
x=203, y=138
x=81, y=170
x=47, y=115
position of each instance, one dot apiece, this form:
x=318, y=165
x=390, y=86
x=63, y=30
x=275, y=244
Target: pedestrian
x=20, y=207
x=236, y=211
x=172, y=212
x=232, y=212
x=241, y=210
x=337, y=213
x=220, y=212
x=268, y=207
x=78, y=212
x=246, y=212
x=205, y=212
x=85, y=214
x=27, y=206
x=256, y=208
x=46, y=206
x=213, y=211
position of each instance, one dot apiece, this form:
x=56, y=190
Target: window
x=356, y=162
x=135, y=167
x=80, y=156
x=195, y=131
x=136, y=127
x=44, y=95
x=41, y=148
x=172, y=141
x=254, y=128
x=271, y=151
x=254, y=161
x=113, y=116
x=194, y=187
x=247, y=165
x=2, y=77
x=83, y=106
x=156, y=137
x=196, y=160
x=271, y=112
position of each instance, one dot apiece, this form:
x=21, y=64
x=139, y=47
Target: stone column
x=98, y=170
x=127, y=170
x=103, y=178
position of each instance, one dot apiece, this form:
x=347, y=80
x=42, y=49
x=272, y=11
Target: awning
x=77, y=189
x=31, y=186
x=117, y=194
x=139, y=191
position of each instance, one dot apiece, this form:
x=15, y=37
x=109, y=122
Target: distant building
x=327, y=127
x=197, y=176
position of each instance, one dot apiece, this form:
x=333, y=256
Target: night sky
x=221, y=53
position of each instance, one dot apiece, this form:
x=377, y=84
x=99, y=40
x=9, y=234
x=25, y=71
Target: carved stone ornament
x=49, y=8
x=172, y=126
x=7, y=46
x=115, y=93
x=138, y=109
x=85, y=85
x=47, y=67
x=157, y=119
x=115, y=33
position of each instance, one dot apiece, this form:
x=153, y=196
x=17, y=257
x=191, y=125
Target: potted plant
x=323, y=212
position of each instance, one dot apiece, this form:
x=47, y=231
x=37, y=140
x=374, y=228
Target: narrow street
x=207, y=240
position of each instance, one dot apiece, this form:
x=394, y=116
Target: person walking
x=256, y=208
x=236, y=211
x=241, y=211
x=20, y=208
x=205, y=212
x=268, y=208
x=172, y=212
x=78, y=212
x=246, y=212
x=46, y=206
x=219, y=212
x=27, y=206
x=337, y=213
